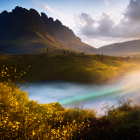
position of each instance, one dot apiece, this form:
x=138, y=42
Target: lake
x=92, y=95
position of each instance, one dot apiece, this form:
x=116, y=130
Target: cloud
x=127, y=27
x=91, y=27
x=85, y=17
x=105, y=23
x=107, y=2
x=133, y=11
x=43, y=5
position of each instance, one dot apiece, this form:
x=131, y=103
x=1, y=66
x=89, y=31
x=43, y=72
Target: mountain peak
x=17, y=8
x=58, y=22
x=28, y=29
x=44, y=15
x=51, y=19
x=34, y=12
x=4, y=12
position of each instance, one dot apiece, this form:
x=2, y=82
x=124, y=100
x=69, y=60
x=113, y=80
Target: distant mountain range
x=26, y=31
x=124, y=48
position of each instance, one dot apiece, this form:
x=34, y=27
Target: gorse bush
x=22, y=118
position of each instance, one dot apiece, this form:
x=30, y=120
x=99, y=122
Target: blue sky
x=96, y=22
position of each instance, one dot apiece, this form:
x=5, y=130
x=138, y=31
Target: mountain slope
x=124, y=48
x=25, y=31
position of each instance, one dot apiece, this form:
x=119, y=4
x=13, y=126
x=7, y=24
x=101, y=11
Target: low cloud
x=128, y=27
x=43, y=5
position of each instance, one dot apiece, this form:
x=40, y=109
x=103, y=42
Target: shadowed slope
x=25, y=31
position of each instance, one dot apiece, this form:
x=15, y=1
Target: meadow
x=21, y=118
x=76, y=67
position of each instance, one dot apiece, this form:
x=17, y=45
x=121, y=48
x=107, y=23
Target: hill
x=79, y=68
x=26, y=31
x=124, y=48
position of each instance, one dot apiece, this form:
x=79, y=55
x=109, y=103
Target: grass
x=78, y=68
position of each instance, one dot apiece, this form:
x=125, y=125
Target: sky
x=96, y=22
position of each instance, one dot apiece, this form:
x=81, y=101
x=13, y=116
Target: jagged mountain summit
x=26, y=31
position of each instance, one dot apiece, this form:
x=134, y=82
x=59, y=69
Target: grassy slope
x=86, y=68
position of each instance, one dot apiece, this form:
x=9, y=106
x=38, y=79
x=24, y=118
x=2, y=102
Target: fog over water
x=94, y=95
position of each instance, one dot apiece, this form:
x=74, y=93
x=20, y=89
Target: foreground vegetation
x=21, y=118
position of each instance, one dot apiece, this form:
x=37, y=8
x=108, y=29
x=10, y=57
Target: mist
x=91, y=95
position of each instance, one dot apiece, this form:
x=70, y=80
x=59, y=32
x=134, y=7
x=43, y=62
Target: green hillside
x=75, y=67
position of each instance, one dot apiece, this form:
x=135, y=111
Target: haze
x=93, y=96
